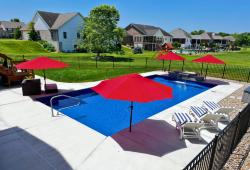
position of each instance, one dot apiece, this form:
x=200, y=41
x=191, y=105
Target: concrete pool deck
x=30, y=138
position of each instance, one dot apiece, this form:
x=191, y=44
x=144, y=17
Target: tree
x=176, y=45
x=100, y=32
x=17, y=33
x=197, y=32
x=15, y=20
x=242, y=39
x=33, y=35
x=223, y=34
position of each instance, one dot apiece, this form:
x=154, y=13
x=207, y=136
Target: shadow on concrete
x=153, y=137
x=22, y=151
x=216, y=82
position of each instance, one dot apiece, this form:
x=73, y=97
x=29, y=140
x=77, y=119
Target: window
x=65, y=35
x=78, y=35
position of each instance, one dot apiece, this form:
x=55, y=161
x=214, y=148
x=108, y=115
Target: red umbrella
x=41, y=63
x=209, y=59
x=171, y=56
x=134, y=88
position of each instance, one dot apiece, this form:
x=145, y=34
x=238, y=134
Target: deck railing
x=217, y=152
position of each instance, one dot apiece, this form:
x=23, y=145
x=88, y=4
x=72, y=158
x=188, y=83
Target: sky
x=211, y=15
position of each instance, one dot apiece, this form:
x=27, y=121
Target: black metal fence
x=230, y=71
x=216, y=153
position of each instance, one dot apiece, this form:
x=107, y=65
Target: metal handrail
x=63, y=95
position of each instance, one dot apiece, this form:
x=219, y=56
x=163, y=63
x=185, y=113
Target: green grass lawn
x=83, y=66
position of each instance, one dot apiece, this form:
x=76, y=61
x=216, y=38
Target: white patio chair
x=188, y=126
x=210, y=119
x=218, y=109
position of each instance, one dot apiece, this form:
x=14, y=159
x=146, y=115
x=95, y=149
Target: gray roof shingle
x=230, y=38
x=8, y=24
x=56, y=20
x=62, y=19
x=205, y=36
x=48, y=17
x=180, y=33
x=148, y=29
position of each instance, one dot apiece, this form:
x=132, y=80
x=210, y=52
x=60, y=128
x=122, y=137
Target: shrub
x=17, y=33
x=47, y=46
x=33, y=35
x=176, y=45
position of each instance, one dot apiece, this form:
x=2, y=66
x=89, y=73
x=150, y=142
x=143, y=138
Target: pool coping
x=85, y=148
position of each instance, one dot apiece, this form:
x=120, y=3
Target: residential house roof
x=230, y=38
x=205, y=36
x=215, y=36
x=180, y=34
x=48, y=17
x=148, y=29
x=55, y=20
x=9, y=24
x=25, y=28
x=62, y=19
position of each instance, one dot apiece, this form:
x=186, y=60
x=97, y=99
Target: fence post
x=146, y=63
x=248, y=78
x=113, y=60
x=95, y=62
x=79, y=64
x=224, y=71
x=213, y=153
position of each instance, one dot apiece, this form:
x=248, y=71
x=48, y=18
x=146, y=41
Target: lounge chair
x=188, y=126
x=210, y=119
x=217, y=109
x=9, y=73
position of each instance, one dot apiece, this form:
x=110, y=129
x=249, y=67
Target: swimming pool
x=111, y=116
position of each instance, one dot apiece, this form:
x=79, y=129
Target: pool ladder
x=63, y=95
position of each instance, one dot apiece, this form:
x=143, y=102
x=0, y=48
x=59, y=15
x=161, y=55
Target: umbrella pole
x=131, y=114
x=206, y=72
x=183, y=62
x=169, y=65
x=201, y=68
x=44, y=76
x=163, y=63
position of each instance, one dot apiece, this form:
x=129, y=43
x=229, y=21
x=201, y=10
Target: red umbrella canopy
x=209, y=59
x=134, y=88
x=41, y=63
x=170, y=56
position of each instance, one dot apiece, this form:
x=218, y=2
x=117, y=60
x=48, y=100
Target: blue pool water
x=111, y=116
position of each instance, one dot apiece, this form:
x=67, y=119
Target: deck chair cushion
x=183, y=118
x=212, y=105
x=199, y=111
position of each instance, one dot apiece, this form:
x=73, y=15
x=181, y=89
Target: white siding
x=25, y=35
x=166, y=39
x=39, y=23
x=159, y=34
x=71, y=28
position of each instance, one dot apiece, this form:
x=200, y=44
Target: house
x=7, y=28
x=146, y=36
x=229, y=39
x=182, y=37
x=59, y=29
x=207, y=38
